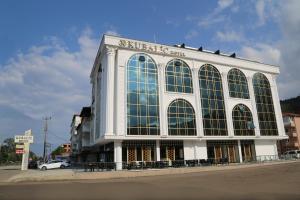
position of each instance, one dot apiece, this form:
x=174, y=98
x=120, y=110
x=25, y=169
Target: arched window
x=242, y=121
x=237, y=84
x=142, y=96
x=264, y=105
x=181, y=118
x=178, y=77
x=212, y=99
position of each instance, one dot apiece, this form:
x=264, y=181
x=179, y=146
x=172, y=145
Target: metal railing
x=141, y=165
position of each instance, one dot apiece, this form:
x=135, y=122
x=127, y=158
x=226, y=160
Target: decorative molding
x=109, y=50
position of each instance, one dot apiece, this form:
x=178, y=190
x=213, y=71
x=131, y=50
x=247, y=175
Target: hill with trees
x=291, y=105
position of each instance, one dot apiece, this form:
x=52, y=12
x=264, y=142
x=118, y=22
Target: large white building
x=153, y=102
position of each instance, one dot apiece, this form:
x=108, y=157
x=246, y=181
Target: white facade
x=109, y=98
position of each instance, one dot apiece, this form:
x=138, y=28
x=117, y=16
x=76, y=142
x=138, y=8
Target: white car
x=54, y=164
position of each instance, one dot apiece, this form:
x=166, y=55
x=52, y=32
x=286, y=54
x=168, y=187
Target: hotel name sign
x=149, y=48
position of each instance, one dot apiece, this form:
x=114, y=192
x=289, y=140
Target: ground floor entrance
x=185, y=152
x=248, y=150
x=133, y=150
x=171, y=150
x=223, y=151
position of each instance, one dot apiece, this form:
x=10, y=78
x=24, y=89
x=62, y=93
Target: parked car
x=54, y=164
x=292, y=154
x=32, y=164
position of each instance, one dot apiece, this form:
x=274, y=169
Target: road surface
x=264, y=182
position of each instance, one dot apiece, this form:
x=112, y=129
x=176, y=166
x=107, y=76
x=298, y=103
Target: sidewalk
x=69, y=174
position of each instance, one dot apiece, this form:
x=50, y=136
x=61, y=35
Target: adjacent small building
x=291, y=123
x=75, y=140
x=80, y=136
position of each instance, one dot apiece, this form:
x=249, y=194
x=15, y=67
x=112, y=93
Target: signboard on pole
x=20, y=151
x=19, y=146
x=26, y=139
x=23, y=139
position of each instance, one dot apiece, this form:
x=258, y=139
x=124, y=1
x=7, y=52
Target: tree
x=58, y=151
x=8, y=152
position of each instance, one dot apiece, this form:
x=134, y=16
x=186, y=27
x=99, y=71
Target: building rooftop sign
x=152, y=48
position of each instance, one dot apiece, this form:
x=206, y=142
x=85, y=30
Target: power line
x=59, y=137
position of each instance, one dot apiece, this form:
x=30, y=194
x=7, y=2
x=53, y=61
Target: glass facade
x=237, y=84
x=212, y=99
x=242, y=121
x=181, y=118
x=142, y=96
x=264, y=105
x=178, y=77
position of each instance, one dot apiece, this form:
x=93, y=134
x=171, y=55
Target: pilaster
x=110, y=53
x=227, y=109
x=254, y=108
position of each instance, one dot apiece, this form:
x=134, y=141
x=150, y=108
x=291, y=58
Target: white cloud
x=211, y=20
x=260, y=10
x=50, y=80
x=215, y=16
x=191, y=34
x=262, y=52
x=235, y=9
x=112, y=30
x=289, y=22
x=284, y=52
x=229, y=36
x=222, y=4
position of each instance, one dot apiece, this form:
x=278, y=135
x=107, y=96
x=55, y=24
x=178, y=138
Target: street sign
x=20, y=151
x=19, y=146
x=23, y=139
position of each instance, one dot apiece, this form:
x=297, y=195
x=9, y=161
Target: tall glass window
x=264, y=105
x=181, y=118
x=212, y=99
x=242, y=121
x=237, y=83
x=178, y=77
x=142, y=96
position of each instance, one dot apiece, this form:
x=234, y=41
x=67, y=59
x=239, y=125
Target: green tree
x=58, y=151
x=8, y=152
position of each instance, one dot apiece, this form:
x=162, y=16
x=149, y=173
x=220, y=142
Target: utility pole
x=45, y=136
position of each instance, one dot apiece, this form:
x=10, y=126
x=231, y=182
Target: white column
x=240, y=151
x=253, y=103
x=227, y=109
x=198, y=109
x=25, y=157
x=110, y=52
x=162, y=113
x=118, y=154
x=157, y=150
x=277, y=108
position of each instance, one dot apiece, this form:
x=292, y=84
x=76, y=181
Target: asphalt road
x=265, y=182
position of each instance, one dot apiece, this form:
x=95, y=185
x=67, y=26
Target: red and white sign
x=20, y=151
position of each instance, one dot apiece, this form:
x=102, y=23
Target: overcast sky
x=47, y=49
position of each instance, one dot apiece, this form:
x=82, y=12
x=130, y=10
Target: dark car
x=32, y=165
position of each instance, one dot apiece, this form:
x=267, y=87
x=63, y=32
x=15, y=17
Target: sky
x=47, y=48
